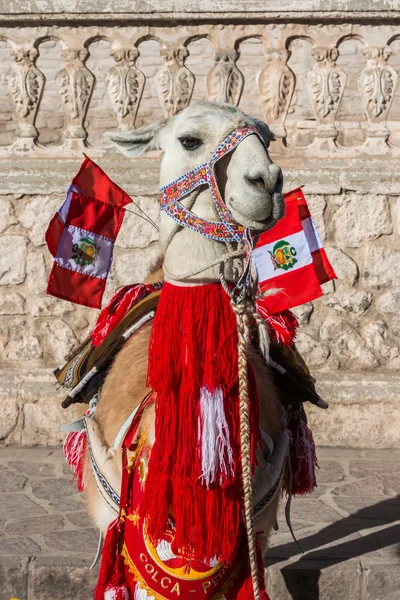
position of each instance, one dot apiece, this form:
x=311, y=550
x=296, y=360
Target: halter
x=226, y=230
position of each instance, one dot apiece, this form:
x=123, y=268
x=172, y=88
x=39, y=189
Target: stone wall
x=328, y=91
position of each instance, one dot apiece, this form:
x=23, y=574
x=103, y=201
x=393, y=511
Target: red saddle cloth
x=133, y=567
x=163, y=570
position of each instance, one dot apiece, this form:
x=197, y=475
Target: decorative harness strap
x=226, y=230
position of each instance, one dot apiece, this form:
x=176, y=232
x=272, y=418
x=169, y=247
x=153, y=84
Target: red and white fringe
x=302, y=454
x=193, y=347
x=74, y=449
x=121, y=302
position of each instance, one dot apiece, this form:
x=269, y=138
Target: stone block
x=12, y=506
x=345, y=267
x=23, y=345
x=36, y=272
x=9, y=416
x=314, y=353
x=49, y=306
x=7, y=214
x=381, y=266
x=42, y=424
x=80, y=542
x=383, y=582
x=35, y=213
x=60, y=338
x=13, y=577
x=24, y=546
x=376, y=336
x=361, y=218
x=346, y=342
x=70, y=577
x=12, y=259
x=350, y=301
x=363, y=411
x=389, y=302
x=11, y=482
x=11, y=303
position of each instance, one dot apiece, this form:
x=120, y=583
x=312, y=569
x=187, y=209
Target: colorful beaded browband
x=226, y=230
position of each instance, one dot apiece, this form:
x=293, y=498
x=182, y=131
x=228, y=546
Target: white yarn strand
x=141, y=594
x=216, y=450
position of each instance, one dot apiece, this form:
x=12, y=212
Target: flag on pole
x=290, y=258
x=81, y=236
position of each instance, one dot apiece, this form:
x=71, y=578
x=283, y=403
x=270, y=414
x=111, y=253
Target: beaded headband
x=226, y=230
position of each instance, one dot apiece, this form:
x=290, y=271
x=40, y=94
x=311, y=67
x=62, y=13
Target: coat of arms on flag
x=81, y=236
x=290, y=258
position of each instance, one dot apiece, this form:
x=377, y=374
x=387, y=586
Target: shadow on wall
x=301, y=582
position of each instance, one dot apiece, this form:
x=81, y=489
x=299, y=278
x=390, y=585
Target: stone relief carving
x=125, y=84
x=276, y=86
x=225, y=82
x=75, y=85
x=25, y=85
x=326, y=83
x=377, y=83
x=174, y=81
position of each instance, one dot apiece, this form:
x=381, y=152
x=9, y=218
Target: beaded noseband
x=226, y=230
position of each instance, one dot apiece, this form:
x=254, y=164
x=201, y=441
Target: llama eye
x=190, y=143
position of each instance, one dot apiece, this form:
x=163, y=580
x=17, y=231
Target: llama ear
x=138, y=141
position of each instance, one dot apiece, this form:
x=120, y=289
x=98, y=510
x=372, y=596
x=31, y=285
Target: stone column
x=377, y=84
x=75, y=85
x=125, y=84
x=325, y=83
x=25, y=86
x=174, y=81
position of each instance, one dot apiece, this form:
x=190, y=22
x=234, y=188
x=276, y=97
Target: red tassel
x=121, y=302
x=302, y=454
x=120, y=592
x=74, y=449
x=108, y=559
x=194, y=344
x=283, y=325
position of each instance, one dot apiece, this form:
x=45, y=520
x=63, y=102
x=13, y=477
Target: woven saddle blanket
x=131, y=308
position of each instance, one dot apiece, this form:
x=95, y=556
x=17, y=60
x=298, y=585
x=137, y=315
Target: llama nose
x=265, y=178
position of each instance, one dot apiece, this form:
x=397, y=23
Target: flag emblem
x=283, y=255
x=85, y=252
x=289, y=259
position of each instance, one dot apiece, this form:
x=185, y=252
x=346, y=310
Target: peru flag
x=290, y=258
x=81, y=236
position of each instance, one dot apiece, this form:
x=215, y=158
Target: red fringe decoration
x=194, y=344
x=302, y=454
x=283, y=325
x=121, y=302
x=74, y=449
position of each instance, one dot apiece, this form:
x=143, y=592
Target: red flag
x=290, y=258
x=81, y=236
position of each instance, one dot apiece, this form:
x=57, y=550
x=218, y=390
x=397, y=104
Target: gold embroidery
x=134, y=517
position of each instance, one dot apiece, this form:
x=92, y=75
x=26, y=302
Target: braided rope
x=242, y=317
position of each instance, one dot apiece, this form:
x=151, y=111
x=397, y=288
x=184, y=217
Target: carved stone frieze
x=174, y=81
x=225, y=82
x=75, y=85
x=25, y=85
x=125, y=84
x=276, y=86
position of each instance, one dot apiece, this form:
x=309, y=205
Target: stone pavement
x=349, y=529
